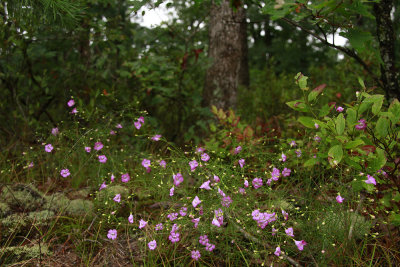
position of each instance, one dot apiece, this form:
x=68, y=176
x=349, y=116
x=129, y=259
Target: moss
x=13, y=224
x=4, y=210
x=80, y=207
x=57, y=202
x=19, y=253
x=22, y=197
x=40, y=217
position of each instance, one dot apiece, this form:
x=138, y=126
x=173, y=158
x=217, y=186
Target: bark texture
x=228, y=52
x=384, y=28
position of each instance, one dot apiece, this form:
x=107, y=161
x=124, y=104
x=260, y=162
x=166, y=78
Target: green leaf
x=352, y=163
x=301, y=80
x=358, y=39
x=361, y=82
x=395, y=219
x=298, y=105
x=307, y=122
x=324, y=110
x=340, y=124
x=353, y=144
x=315, y=92
x=394, y=108
x=376, y=107
x=351, y=117
x=357, y=185
x=378, y=161
x=336, y=153
x=311, y=162
x=382, y=126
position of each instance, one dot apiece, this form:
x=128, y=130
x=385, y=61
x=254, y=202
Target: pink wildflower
x=130, y=218
x=196, y=255
x=117, y=198
x=65, y=173
x=152, y=245
x=206, y=185
x=112, y=234
x=71, y=103
x=339, y=199
x=98, y=146
x=257, y=183
x=102, y=159
x=370, y=180
x=196, y=201
x=142, y=223
x=205, y=157
x=48, y=148
x=300, y=244
x=241, y=163
x=178, y=179
x=125, y=177
x=193, y=165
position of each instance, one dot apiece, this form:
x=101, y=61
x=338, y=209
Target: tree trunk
x=228, y=52
x=384, y=28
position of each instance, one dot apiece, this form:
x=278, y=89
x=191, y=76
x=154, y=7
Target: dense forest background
x=93, y=48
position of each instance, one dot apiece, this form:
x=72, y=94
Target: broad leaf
x=340, y=124
x=336, y=153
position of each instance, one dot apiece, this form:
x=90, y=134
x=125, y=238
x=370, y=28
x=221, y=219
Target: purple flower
x=274, y=231
x=362, y=124
x=54, y=131
x=205, y=157
x=74, y=111
x=130, y=218
x=183, y=211
x=163, y=164
x=112, y=178
x=203, y=239
x=159, y=227
x=112, y=234
x=246, y=183
x=140, y=119
x=117, y=198
x=210, y=247
x=241, y=163
x=196, y=201
x=285, y=215
x=339, y=199
x=48, y=148
x=300, y=244
x=102, y=159
x=88, y=149
x=293, y=143
x=171, y=191
x=237, y=150
x=178, y=179
x=221, y=192
x=196, y=222
x=98, y=146
x=283, y=157
x=102, y=186
x=316, y=125
x=339, y=109
x=257, y=183
x=196, y=255
x=226, y=201
x=317, y=138
x=119, y=126
x=31, y=165
x=156, y=137
x=298, y=153
x=65, y=173
x=216, y=222
x=172, y=216
x=193, y=165
x=289, y=231
x=200, y=150
x=137, y=124
x=277, y=251
x=206, y=185
x=242, y=191
x=370, y=180
x=125, y=177
x=112, y=132
x=142, y=223
x=71, y=103
x=275, y=174
x=152, y=245
x=146, y=163
x=216, y=179
x=286, y=172
x=174, y=237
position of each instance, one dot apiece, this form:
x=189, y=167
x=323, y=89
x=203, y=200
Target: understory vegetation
x=110, y=155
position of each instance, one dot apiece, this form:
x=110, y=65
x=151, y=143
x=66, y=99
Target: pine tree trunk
x=384, y=26
x=228, y=52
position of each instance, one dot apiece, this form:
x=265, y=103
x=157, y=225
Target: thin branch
x=351, y=53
